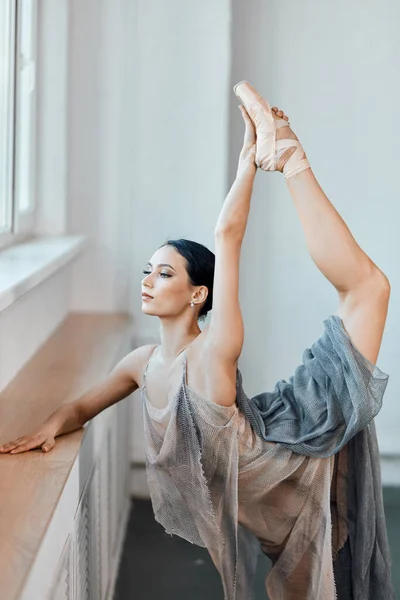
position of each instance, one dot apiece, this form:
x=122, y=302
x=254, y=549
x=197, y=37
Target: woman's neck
x=174, y=339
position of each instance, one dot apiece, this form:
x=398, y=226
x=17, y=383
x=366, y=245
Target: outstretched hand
x=248, y=151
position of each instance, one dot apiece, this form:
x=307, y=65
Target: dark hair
x=200, y=267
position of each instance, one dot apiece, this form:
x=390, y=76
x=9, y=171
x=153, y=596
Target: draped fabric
x=295, y=472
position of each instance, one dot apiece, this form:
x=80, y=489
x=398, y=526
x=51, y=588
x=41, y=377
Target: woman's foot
x=284, y=132
x=278, y=148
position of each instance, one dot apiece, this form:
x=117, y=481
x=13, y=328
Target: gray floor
x=156, y=565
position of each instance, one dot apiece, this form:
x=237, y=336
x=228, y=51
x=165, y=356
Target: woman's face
x=167, y=282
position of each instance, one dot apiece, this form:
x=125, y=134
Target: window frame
x=22, y=221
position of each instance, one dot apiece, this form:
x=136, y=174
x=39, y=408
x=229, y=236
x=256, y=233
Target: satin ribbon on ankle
x=268, y=149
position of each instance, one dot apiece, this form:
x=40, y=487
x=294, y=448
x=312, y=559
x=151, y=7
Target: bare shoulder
x=136, y=361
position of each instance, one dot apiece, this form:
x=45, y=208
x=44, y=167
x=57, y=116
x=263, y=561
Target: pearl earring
x=191, y=304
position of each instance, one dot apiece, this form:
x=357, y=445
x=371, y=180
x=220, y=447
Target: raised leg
x=363, y=288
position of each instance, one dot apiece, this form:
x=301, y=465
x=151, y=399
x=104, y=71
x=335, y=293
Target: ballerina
x=289, y=488
x=276, y=471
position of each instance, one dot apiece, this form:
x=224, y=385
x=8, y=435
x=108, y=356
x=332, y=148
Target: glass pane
x=24, y=139
x=25, y=114
x=7, y=41
x=26, y=44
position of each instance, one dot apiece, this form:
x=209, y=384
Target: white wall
x=331, y=67
x=27, y=323
x=100, y=129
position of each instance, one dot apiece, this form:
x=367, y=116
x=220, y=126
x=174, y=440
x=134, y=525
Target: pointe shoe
x=268, y=149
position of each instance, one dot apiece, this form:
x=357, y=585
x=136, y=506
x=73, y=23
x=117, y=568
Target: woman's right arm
x=120, y=383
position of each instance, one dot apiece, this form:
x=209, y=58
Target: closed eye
x=164, y=274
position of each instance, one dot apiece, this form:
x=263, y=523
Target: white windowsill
x=23, y=266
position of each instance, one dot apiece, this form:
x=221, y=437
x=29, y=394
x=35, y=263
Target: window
x=18, y=34
x=7, y=69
